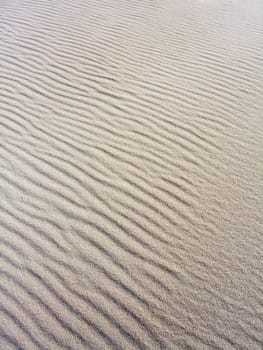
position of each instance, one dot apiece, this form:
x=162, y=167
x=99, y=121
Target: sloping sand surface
x=131, y=172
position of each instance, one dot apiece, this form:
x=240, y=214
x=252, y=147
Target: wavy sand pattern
x=131, y=174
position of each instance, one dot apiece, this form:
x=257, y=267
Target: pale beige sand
x=131, y=174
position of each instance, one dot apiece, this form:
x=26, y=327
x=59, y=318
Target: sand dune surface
x=131, y=174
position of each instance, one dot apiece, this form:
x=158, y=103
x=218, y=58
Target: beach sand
x=131, y=171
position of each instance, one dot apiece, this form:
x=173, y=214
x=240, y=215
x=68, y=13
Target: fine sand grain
x=131, y=174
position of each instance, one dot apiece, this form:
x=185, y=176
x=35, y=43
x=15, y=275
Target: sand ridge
x=131, y=174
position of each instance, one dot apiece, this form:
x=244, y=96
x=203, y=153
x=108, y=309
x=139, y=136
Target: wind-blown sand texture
x=131, y=174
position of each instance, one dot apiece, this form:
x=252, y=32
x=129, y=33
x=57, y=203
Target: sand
x=131, y=174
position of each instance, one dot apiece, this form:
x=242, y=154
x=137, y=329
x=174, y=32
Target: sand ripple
x=131, y=174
